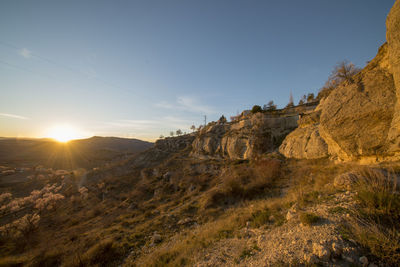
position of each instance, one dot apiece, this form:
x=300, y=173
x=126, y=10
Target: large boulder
x=304, y=143
x=360, y=119
x=357, y=115
x=393, y=40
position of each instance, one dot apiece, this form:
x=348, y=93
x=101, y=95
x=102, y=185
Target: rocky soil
x=292, y=243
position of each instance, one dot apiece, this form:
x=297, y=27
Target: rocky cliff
x=246, y=138
x=360, y=119
x=393, y=39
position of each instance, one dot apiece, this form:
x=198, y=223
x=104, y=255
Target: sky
x=140, y=69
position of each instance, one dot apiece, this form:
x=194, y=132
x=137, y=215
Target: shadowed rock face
x=247, y=138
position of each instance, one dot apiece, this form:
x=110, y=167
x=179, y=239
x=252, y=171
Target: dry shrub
x=382, y=241
x=105, y=253
x=47, y=259
x=187, y=244
x=12, y=261
x=376, y=220
x=245, y=181
x=142, y=191
x=309, y=218
x=378, y=193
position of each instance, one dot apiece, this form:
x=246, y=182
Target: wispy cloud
x=167, y=122
x=185, y=103
x=134, y=124
x=26, y=53
x=14, y=116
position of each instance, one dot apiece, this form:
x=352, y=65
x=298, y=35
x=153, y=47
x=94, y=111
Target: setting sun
x=63, y=133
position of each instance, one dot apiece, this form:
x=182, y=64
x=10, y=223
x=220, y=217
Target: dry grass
x=376, y=220
x=245, y=181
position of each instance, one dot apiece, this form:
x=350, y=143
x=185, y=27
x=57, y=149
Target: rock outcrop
x=174, y=144
x=253, y=135
x=304, y=143
x=393, y=39
x=360, y=119
x=356, y=116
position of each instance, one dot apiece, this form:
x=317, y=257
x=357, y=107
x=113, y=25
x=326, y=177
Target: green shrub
x=256, y=109
x=309, y=218
x=104, y=253
x=261, y=217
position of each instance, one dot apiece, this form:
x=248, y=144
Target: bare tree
x=303, y=100
x=193, y=127
x=178, y=132
x=343, y=71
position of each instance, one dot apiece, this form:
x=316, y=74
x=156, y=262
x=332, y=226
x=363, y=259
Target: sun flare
x=63, y=133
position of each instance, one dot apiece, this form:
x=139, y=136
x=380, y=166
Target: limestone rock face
x=356, y=116
x=256, y=134
x=393, y=40
x=208, y=142
x=360, y=119
x=174, y=144
x=304, y=143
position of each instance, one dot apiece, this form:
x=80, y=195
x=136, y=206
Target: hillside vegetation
x=310, y=185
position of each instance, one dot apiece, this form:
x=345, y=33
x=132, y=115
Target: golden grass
x=375, y=222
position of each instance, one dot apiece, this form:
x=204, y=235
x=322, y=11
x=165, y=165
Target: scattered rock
x=185, y=221
x=363, y=260
x=336, y=249
x=290, y=215
x=261, y=239
x=345, y=180
x=310, y=259
x=155, y=239
x=321, y=251
x=348, y=259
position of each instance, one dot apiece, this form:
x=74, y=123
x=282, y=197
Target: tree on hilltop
x=310, y=98
x=256, y=109
x=270, y=106
x=303, y=100
x=222, y=120
x=291, y=103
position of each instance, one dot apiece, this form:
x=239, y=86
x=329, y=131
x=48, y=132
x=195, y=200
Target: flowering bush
x=46, y=198
x=22, y=227
x=5, y=196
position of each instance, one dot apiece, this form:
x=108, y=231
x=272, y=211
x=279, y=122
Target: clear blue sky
x=143, y=68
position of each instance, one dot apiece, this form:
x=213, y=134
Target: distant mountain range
x=86, y=153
